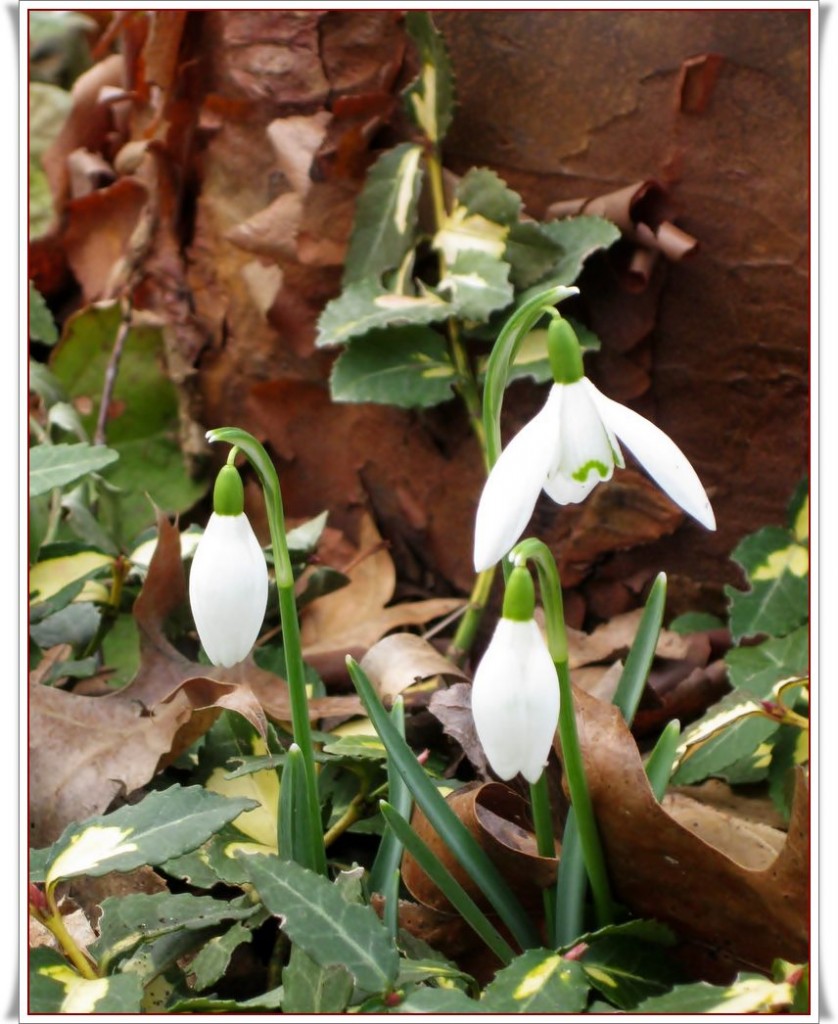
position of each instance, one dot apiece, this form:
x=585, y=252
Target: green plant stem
x=551, y=596
x=542, y=817
x=352, y=813
x=467, y=629
x=659, y=763
x=581, y=798
x=295, y=669
x=54, y=921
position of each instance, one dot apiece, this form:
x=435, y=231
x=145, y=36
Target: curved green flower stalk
x=522, y=321
x=539, y=554
x=312, y=849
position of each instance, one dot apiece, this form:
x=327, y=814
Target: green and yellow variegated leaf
x=56, y=988
x=163, y=825
x=366, y=306
x=430, y=99
x=464, y=232
x=530, y=252
x=758, y=668
x=749, y=993
x=367, y=747
x=531, y=359
x=407, y=367
x=483, y=192
x=385, y=214
x=48, y=578
x=476, y=285
x=579, y=238
x=539, y=981
x=260, y=823
x=313, y=988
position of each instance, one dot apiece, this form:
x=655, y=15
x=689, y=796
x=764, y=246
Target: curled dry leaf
x=717, y=883
x=497, y=817
x=403, y=660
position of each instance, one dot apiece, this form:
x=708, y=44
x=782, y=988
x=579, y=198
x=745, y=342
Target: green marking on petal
x=581, y=474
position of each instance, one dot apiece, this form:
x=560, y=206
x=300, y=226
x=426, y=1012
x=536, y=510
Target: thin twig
x=111, y=372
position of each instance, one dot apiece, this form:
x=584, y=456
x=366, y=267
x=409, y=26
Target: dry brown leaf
x=498, y=818
x=613, y=640
x=295, y=141
x=399, y=661
x=699, y=879
x=352, y=619
x=452, y=707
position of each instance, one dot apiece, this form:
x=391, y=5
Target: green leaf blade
x=430, y=99
x=408, y=367
x=316, y=917
x=56, y=465
x=538, y=981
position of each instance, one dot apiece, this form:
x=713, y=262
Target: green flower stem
x=467, y=629
x=551, y=596
x=295, y=670
x=522, y=321
x=542, y=817
x=442, y=818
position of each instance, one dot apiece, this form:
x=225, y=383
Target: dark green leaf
x=476, y=285
x=756, y=669
x=317, y=918
x=531, y=252
x=405, y=367
x=430, y=99
x=312, y=988
x=774, y=607
x=163, y=825
x=538, y=981
x=695, y=622
x=481, y=191
x=626, y=969
x=41, y=324
x=385, y=214
x=76, y=625
x=129, y=921
x=56, y=465
x=121, y=650
x=366, y=305
x=56, y=988
x=438, y=1001
x=212, y=961
x=271, y=1000
x=578, y=237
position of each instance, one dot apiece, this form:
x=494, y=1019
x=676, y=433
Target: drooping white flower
x=515, y=696
x=228, y=584
x=569, y=447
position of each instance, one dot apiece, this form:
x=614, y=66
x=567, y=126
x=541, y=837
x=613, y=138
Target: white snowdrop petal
x=515, y=700
x=586, y=456
x=510, y=493
x=228, y=589
x=662, y=459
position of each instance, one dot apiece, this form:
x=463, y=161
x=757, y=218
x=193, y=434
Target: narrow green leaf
x=430, y=99
x=661, y=760
x=56, y=465
x=447, y=884
x=165, y=824
x=642, y=653
x=407, y=367
x=449, y=827
x=311, y=988
x=55, y=988
x=366, y=305
x=389, y=855
x=292, y=838
x=385, y=214
x=317, y=918
x=129, y=921
x=538, y=981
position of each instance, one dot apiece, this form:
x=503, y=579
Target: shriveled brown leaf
x=715, y=885
x=452, y=707
x=399, y=661
x=613, y=639
x=498, y=819
x=352, y=619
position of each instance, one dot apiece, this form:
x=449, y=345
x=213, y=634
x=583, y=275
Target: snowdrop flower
x=568, y=448
x=228, y=584
x=515, y=693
